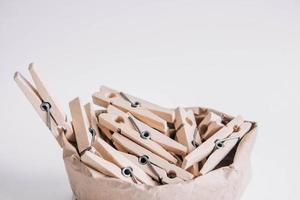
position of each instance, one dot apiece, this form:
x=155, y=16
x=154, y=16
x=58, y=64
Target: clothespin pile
x=137, y=141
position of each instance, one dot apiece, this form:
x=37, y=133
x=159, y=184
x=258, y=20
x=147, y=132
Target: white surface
x=238, y=57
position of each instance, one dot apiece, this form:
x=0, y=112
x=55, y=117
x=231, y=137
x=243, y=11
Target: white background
x=236, y=56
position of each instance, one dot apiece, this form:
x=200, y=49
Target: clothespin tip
x=31, y=66
x=16, y=74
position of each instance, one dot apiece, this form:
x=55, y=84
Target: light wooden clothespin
x=43, y=103
x=155, y=172
x=163, y=140
x=112, y=155
x=84, y=137
x=104, y=166
x=118, y=121
x=209, y=125
x=153, y=115
x=223, y=147
x=133, y=148
x=208, y=146
x=187, y=132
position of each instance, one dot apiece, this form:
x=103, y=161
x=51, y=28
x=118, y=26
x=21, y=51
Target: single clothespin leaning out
x=208, y=146
x=153, y=115
x=223, y=147
x=187, y=132
x=118, y=121
x=131, y=147
x=44, y=103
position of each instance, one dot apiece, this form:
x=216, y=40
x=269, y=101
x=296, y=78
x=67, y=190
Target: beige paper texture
x=225, y=183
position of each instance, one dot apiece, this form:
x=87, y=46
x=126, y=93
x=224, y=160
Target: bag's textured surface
x=225, y=183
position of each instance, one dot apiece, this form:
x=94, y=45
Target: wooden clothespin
x=223, y=147
x=209, y=125
x=187, y=132
x=81, y=127
x=43, y=103
x=155, y=172
x=133, y=148
x=163, y=140
x=104, y=166
x=208, y=146
x=112, y=155
x=118, y=121
x=153, y=115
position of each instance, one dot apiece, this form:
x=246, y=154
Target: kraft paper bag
x=224, y=183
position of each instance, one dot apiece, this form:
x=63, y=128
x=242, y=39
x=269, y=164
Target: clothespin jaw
x=104, y=166
x=138, y=150
x=57, y=113
x=208, y=146
x=112, y=155
x=81, y=127
x=36, y=101
x=118, y=121
x=155, y=172
x=107, y=96
x=227, y=145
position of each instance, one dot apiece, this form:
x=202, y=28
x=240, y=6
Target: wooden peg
x=138, y=150
x=107, y=96
x=208, y=146
x=117, y=120
x=162, y=174
x=163, y=140
x=34, y=98
x=55, y=110
x=219, y=154
x=187, y=132
x=104, y=97
x=80, y=123
x=103, y=166
x=112, y=155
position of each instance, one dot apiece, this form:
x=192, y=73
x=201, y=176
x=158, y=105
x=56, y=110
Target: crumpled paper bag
x=224, y=183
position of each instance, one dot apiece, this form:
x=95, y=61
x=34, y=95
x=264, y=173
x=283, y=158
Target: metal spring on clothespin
x=144, y=160
x=143, y=134
x=128, y=172
x=46, y=106
x=133, y=104
x=219, y=143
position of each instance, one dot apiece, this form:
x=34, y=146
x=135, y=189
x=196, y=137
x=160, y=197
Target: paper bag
x=224, y=183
